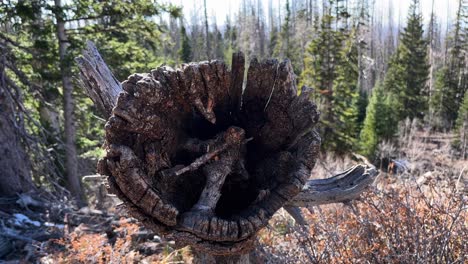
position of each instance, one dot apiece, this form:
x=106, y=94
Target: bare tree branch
x=100, y=84
x=343, y=187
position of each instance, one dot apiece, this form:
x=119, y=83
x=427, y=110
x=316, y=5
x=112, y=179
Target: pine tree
x=50, y=36
x=345, y=101
x=411, y=55
x=380, y=122
x=322, y=59
x=286, y=46
x=395, y=81
x=185, y=51
x=452, y=80
x=462, y=128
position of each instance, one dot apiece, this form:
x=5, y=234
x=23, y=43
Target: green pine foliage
x=361, y=104
x=443, y=102
x=283, y=44
x=321, y=58
x=403, y=93
x=124, y=33
x=381, y=121
x=185, y=51
x=331, y=68
x=462, y=119
x=409, y=69
x=461, y=128
x=345, y=101
x=452, y=80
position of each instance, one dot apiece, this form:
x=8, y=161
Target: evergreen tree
x=345, y=101
x=462, y=128
x=452, y=80
x=380, y=122
x=413, y=69
x=323, y=55
x=286, y=47
x=185, y=51
x=395, y=81
x=46, y=41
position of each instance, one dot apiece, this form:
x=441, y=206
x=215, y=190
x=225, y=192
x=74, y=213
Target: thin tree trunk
x=71, y=161
x=431, y=55
x=208, y=46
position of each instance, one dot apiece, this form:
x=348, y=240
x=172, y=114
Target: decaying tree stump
x=199, y=160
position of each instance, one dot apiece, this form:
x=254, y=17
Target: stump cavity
x=198, y=159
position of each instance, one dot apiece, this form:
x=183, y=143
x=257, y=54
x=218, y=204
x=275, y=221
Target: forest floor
x=416, y=211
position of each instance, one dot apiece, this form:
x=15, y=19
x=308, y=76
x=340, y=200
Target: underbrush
x=401, y=224
x=416, y=213
x=125, y=243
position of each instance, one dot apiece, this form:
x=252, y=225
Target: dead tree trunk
x=15, y=175
x=200, y=161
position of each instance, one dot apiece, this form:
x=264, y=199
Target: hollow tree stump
x=199, y=160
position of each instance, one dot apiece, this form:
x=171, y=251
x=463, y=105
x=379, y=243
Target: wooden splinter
x=217, y=170
x=213, y=148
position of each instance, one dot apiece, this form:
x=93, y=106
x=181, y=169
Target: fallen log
x=199, y=160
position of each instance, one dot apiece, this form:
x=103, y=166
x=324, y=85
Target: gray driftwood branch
x=97, y=79
x=342, y=187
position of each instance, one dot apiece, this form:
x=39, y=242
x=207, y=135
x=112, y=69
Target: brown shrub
x=393, y=225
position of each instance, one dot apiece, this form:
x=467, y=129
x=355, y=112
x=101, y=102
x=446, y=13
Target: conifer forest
x=286, y=131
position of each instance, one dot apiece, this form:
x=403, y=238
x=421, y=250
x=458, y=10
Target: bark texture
x=15, y=175
x=199, y=160
x=71, y=160
x=204, y=163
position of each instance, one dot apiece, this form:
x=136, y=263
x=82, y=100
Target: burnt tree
x=15, y=168
x=199, y=160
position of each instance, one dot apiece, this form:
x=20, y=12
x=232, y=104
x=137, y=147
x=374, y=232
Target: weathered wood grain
x=197, y=158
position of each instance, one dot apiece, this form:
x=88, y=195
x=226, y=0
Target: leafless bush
x=398, y=224
x=414, y=215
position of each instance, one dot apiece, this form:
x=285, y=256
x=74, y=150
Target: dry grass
x=118, y=245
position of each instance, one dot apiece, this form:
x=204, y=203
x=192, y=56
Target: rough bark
x=197, y=159
x=71, y=161
x=15, y=176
